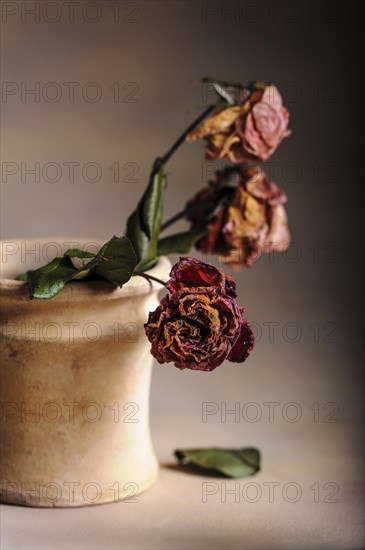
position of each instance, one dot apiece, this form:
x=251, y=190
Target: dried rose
x=249, y=218
x=199, y=324
x=190, y=272
x=251, y=131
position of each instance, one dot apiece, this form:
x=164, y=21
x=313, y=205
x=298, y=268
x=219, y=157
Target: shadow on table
x=191, y=469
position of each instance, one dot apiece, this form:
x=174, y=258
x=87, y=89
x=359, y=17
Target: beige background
x=310, y=49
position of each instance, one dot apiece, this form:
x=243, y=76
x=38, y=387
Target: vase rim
x=13, y=252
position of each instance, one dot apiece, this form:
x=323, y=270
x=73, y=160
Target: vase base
x=71, y=495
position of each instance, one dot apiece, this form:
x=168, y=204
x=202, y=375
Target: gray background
x=157, y=52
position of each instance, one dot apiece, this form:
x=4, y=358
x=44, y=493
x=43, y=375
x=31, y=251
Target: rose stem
x=149, y=277
x=181, y=214
x=161, y=161
x=173, y=219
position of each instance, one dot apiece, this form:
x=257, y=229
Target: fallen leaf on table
x=227, y=462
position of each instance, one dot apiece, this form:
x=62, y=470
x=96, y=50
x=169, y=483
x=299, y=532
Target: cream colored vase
x=75, y=379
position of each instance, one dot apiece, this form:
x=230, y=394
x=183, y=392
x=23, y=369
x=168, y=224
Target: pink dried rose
x=199, y=324
x=248, y=132
x=244, y=214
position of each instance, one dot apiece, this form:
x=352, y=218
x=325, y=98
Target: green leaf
x=151, y=206
x=49, y=280
x=78, y=253
x=181, y=243
x=143, y=225
x=228, y=462
x=83, y=273
x=137, y=236
x=115, y=261
x=23, y=276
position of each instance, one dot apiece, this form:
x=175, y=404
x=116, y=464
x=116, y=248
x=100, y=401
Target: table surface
x=308, y=493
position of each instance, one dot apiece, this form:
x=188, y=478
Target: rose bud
x=199, y=324
x=248, y=132
x=244, y=220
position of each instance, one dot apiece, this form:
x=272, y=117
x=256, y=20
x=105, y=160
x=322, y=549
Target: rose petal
x=243, y=346
x=190, y=272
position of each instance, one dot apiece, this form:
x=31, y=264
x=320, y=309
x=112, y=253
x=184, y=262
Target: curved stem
x=161, y=161
x=210, y=202
x=173, y=219
x=149, y=277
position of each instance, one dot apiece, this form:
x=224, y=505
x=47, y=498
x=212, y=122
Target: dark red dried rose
x=199, y=324
x=244, y=214
x=248, y=132
x=190, y=272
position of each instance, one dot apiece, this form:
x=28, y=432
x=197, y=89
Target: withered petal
x=218, y=123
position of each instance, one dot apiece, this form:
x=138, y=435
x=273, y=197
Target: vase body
x=75, y=379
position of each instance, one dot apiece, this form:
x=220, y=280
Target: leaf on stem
x=143, y=225
x=78, y=253
x=115, y=262
x=23, y=276
x=49, y=280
